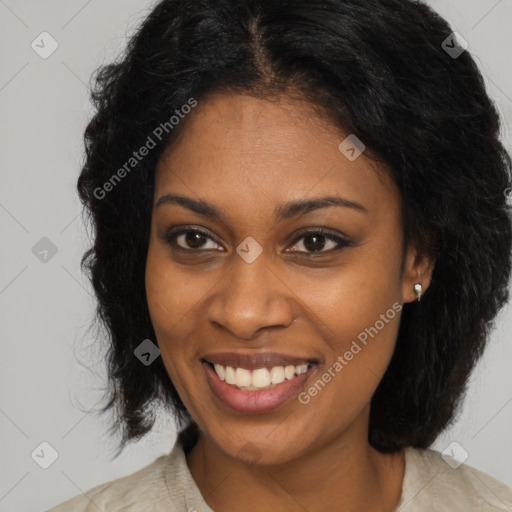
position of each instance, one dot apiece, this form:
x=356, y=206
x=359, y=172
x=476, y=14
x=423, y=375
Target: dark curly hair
x=375, y=68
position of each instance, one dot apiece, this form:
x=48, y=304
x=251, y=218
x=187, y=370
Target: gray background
x=46, y=388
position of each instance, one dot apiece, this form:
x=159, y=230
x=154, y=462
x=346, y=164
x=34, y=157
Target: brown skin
x=246, y=156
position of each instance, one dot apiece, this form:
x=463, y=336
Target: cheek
x=173, y=295
x=344, y=386
x=163, y=303
x=354, y=299
x=171, y=308
x=360, y=316
x=168, y=311
x=367, y=347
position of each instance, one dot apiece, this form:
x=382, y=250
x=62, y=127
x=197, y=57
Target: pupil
x=194, y=240
x=313, y=246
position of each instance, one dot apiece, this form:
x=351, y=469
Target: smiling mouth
x=258, y=379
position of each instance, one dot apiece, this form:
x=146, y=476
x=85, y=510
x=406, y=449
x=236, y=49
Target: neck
x=344, y=474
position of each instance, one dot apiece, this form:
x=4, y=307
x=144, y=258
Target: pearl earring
x=417, y=291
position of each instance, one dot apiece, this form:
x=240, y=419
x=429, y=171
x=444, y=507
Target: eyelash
x=170, y=238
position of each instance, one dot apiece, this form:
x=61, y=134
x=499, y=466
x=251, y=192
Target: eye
x=190, y=239
x=315, y=242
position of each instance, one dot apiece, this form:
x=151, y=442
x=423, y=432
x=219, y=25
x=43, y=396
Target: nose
x=251, y=297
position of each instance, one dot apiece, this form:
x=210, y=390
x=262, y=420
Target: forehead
x=241, y=149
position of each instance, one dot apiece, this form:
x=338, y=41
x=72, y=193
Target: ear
x=418, y=268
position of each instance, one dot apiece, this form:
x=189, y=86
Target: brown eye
x=316, y=241
x=194, y=240
x=189, y=239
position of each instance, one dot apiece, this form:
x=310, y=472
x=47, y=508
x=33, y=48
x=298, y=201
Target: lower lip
x=254, y=402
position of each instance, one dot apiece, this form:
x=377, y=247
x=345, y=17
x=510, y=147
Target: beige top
x=166, y=485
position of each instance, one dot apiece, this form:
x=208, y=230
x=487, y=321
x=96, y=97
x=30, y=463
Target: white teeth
x=302, y=368
x=230, y=375
x=220, y=371
x=243, y=377
x=289, y=372
x=259, y=378
x=277, y=375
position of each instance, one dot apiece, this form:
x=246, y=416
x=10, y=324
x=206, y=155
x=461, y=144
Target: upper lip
x=253, y=361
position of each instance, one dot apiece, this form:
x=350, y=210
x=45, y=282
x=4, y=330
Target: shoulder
x=146, y=486
x=435, y=483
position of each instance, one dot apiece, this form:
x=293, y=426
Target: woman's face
x=261, y=290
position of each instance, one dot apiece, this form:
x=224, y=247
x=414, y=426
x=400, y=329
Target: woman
x=301, y=242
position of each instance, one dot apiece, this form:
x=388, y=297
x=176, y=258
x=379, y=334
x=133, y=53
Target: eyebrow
x=281, y=212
